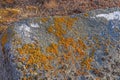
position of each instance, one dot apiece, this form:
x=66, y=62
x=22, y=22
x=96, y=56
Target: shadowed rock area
x=77, y=47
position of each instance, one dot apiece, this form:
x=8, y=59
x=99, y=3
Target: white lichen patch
x=110, y=16
x=25, y=30
x=35, y=25
x=24, y=27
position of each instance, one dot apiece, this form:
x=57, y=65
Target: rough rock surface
x=76, y=47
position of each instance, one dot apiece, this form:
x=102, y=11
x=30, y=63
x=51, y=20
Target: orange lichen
x=87, y=63
x=35, y=55
x=78, y=47
x=67, y=56
x=4, y=39
x=23, y=59
x=73, y=50
x=53, y=48
x=59, y=22
x=48, y=67
x=80, y=51
x=59, y=32
x=86, y=14
x=50, y=29
x=69, y=22
x=66, y=42
x=44, y=20
x=50, y=58
x=82, y=45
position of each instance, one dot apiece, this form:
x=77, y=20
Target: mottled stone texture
x=76, y=47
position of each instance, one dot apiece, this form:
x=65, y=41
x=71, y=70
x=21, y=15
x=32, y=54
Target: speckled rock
x=77, y=47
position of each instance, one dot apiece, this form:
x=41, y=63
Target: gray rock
x=44, y=46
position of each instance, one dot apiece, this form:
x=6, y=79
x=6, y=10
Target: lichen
x=44, y=20
x=59, y=22
x=35, y=55
x=4, y=39
x=73, y=51
x=53, y=48
x=66, y=42
x=86, y=14
x=87, y=63
x=78, y=47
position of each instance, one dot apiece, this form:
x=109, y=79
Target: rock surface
x=76, y=47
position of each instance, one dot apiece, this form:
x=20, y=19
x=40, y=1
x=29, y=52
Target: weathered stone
x=56, y=47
